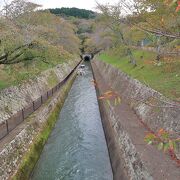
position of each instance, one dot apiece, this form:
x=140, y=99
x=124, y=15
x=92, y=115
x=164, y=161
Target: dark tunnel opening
x=87, y=58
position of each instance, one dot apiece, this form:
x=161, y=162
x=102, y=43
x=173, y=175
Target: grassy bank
x=18, y=73
x=163, y=76
x=31, y=157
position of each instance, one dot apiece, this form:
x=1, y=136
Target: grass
x=18, y=73
x=163, y=77
x=3, y=84
x=52, y=79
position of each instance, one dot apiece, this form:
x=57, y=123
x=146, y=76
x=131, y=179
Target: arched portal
x=87, y=57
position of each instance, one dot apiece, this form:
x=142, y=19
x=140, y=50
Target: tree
x=139, y=18
x=28, y=35
x=15, y=45
x=159, y=18
x=17, y=8
x=79, y=13
x=112, y=17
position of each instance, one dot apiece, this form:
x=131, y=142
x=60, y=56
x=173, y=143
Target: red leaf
x=178, y=7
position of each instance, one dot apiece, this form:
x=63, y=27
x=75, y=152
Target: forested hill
x=80, y=13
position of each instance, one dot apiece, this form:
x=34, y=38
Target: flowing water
x=76, y=148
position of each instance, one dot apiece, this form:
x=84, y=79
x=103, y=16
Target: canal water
x=76, y=149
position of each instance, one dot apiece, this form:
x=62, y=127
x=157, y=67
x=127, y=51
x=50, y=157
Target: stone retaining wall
x=14, y=147
x=152, y=107
x=14, y=98
x=131, y=158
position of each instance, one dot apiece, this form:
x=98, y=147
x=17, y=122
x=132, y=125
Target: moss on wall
x=52, y=79
x=31, y=157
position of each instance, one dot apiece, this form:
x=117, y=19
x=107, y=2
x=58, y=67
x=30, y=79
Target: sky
x=83, y=4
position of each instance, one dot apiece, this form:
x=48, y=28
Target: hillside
x=32, y=42
x=75, y=12
x=161, y=77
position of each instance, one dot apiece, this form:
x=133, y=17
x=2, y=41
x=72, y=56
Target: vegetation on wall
x=31, y=157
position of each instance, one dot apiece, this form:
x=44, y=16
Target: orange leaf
x=101, y=97
x=178, y=7
x=161, y=131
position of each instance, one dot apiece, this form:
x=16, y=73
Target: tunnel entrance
x=87, y=58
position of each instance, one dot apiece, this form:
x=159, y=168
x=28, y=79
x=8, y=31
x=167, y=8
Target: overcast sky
x=85, y=4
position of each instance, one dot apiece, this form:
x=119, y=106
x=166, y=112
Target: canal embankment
x=76, y=148
x=21, y=148
x=124, y=125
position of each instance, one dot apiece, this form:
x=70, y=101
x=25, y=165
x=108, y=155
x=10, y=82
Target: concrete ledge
x=130, y=157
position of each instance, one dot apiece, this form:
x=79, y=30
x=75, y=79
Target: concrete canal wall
x=14, y=98
x=125, y=125
x=20, y=150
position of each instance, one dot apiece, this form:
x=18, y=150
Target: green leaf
x=108, y=102
x=119, y=100
x=171, y=145
x=166, y=147
x=174, y=145
x=160, y=146
x=165, y=135
x=115, y=102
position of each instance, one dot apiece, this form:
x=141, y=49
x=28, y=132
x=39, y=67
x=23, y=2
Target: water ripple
x=76, y=149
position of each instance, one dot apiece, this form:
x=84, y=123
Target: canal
x=76, y=148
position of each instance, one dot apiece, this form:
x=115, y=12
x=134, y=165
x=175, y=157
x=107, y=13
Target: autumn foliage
x=178, y=6
x=164, y=141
